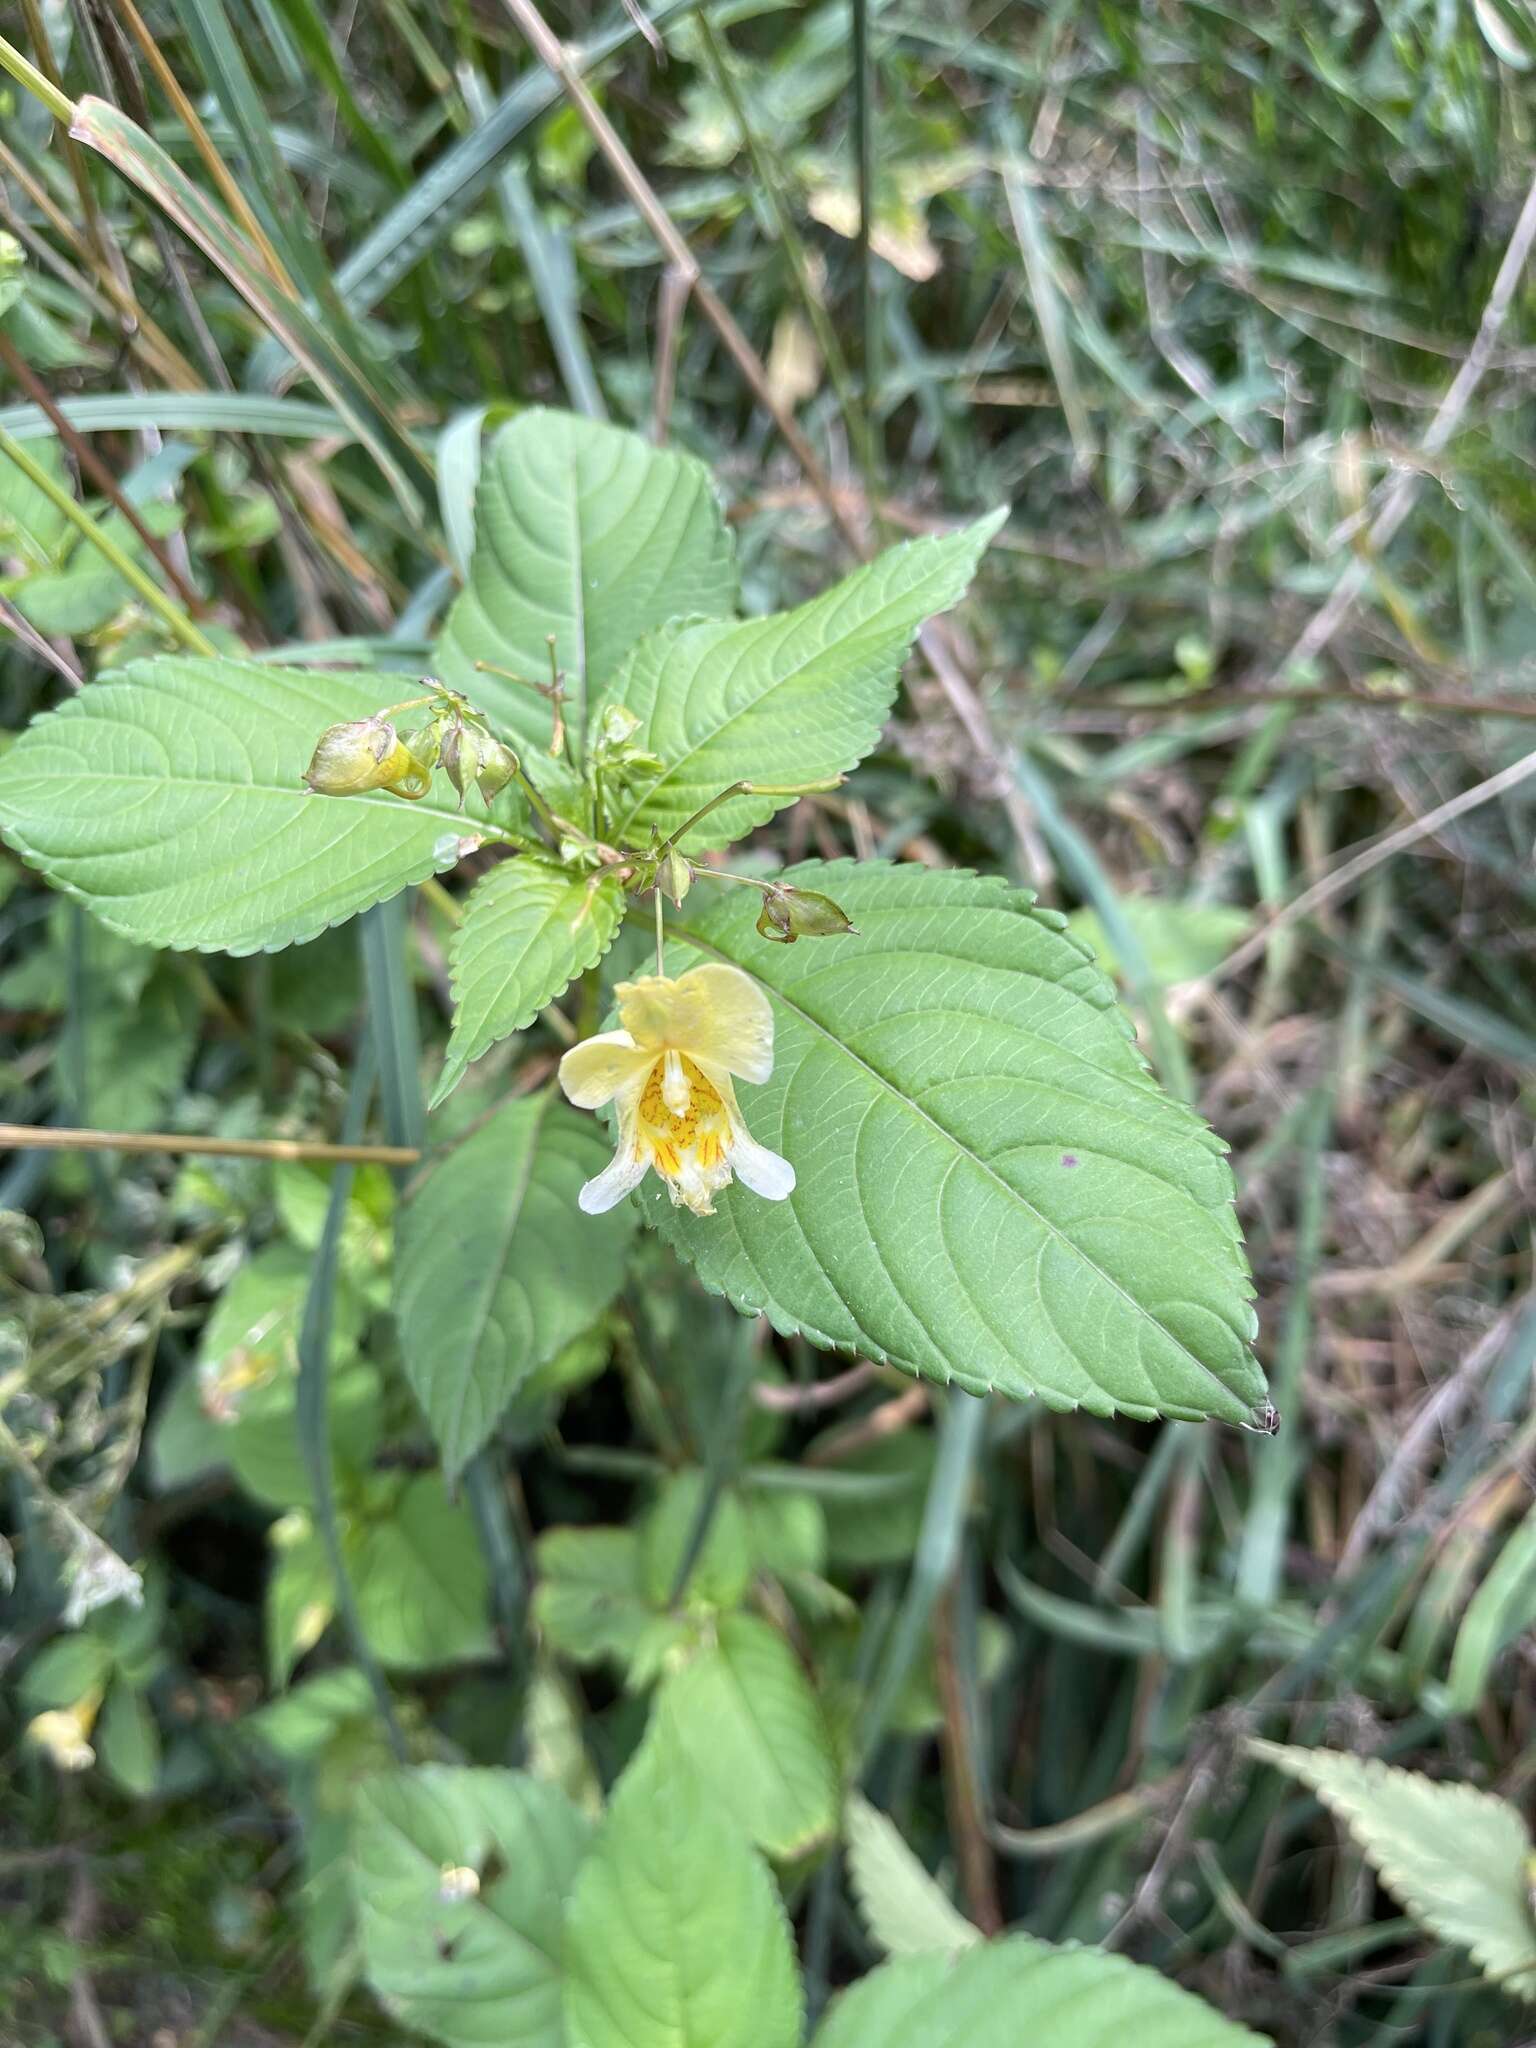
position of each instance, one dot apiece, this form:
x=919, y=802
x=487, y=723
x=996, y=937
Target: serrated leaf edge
x=1297, y=1764
x=789, y=1326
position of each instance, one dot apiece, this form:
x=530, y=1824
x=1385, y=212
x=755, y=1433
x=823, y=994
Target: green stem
x=172, y=615
x=27, y=74
x=661, y=937
x=541, y=810
x=747, y=789
x=764, y=882
x=408, y=704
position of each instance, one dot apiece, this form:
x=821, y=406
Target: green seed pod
x=674, y=878
x=789, y=914
x=460, y=756
x=495, y=765
x=363, y=754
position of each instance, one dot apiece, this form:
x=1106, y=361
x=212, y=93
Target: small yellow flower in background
x=65, y=1733
x=669, y=1073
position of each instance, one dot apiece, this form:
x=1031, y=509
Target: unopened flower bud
x=363, y=754
x=674, y=878
x=789, y=914
x=495, y=765
x=64, y=1733
x=460, y=756
x=422, y=750
x=617, y=726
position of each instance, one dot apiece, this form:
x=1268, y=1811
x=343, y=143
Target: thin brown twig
x=48, y=1138
x=962, y=1795
x=817, y=1394
x=889, y=1419
x=31, y=639
x=675, y=288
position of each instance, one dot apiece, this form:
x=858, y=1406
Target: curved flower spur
x=668, y=1072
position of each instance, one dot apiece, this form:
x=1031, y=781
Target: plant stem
x=52, y=1138
x=661, y=936
x=92, y=466
x=172, y=615
x=27, y=74
x=541, y=810
x=750, y=789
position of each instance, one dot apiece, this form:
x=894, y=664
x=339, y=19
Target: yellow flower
x=669, y=1074
x=64, y=1733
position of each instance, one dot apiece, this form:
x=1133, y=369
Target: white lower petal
x=620, y=1177
x=764, y=1172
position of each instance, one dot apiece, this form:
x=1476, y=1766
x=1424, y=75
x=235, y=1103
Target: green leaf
x=496, y=1270
x=136, y=1058
x=589, y=1603
x=236, y=1404
x=588, y=533
x=722, y=1570
x=263, y=1445
x=743, y=1712
x=478, y=1969
x=64, y=1671
x=1456, y=1859
x=168, y=797
x=419, y=1575
x=299, y=1726
x=798, y=697
x=991, y=1189
x=417, y=1571
x=527, y=933
x=1023, y=1993
x=675, y=1935
x=127, y=1741
x=900, y=1904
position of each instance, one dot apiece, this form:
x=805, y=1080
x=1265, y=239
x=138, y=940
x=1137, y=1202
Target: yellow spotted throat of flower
x=668, y=1072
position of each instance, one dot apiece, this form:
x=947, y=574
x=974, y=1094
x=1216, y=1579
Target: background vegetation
x=1230, y=306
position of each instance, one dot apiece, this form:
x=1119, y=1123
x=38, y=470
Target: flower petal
x=623, y=1173
x=593, y=1072
x=764, y=1172
x=734, y=1026
x=676, y=1088
x=714, y=1012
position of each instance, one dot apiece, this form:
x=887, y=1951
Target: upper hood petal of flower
x=714, y=1013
